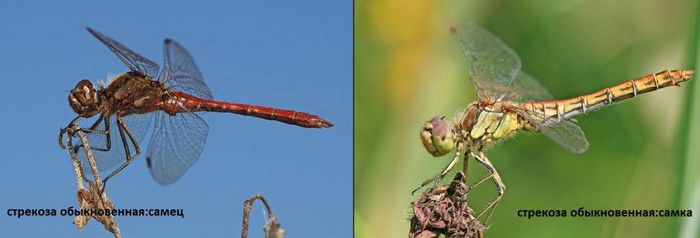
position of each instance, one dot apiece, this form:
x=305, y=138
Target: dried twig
x=272, y=227
x=94, y=198
x=444, y=211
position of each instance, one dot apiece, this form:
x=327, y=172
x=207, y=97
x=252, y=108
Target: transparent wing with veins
x=495, y=73
x=492, y=64
x=178, y=140
x=525, y=88
x=565, y=133
x=181, y=73
x=134, y=61
x=176, y=144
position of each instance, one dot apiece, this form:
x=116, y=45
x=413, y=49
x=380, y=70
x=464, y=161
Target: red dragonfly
x=171, y=98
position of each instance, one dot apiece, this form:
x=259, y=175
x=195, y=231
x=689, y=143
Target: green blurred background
x=409, y=69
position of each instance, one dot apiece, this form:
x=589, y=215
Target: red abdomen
x=181, y=102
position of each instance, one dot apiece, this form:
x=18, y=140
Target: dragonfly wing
x=525, y=88
x=568, y=135
x=492, y=64
x=565, y=133
x=181, y=73
x=138, y=124
x=176, y=144
x=134, y=61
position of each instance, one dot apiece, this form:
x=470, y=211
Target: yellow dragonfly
x=509, y=100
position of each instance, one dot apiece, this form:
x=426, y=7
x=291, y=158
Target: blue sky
x=295, y=55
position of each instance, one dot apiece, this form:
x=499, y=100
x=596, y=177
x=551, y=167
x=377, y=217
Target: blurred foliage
x=408, y=69
x=688, y=185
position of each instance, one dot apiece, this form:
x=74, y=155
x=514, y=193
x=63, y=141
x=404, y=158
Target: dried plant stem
x=94, y=198
x=444, y=211
x=272, y=227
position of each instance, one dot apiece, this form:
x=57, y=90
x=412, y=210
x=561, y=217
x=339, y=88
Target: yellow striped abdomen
x=569, y=108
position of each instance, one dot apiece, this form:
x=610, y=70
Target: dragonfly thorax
x=132, y=93
x=83, y=99
x=483, y=123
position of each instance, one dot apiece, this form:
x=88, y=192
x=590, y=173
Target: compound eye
x=83, y=98
x=437, y=136
x=85, y=93
x=426, y=137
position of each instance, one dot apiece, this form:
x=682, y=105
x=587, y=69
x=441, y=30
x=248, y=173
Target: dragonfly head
x=83, y=99
x=437, y=136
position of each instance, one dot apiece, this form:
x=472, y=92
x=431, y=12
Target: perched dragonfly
x=171, y=97
x=510, y=101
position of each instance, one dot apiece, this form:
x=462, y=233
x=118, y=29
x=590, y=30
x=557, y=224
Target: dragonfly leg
x=92, y=129
x=124, y=132
x=97, y=123
x=445, y=171
x=64, y=131
x=105, y=132
x=493, y=174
